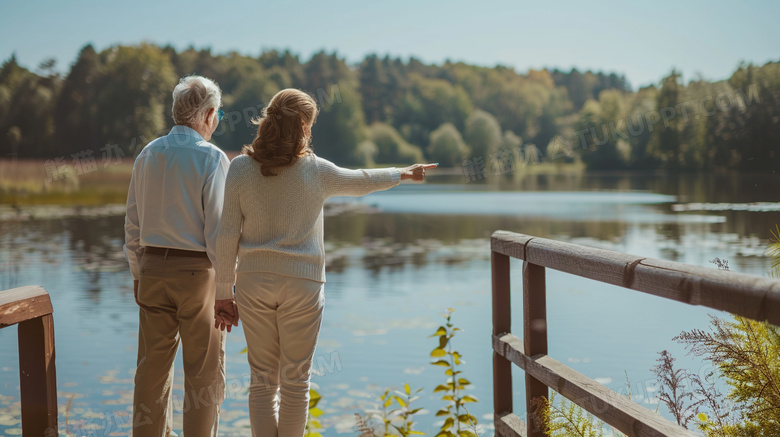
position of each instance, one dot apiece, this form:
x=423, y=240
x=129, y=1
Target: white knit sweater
x=274, y=223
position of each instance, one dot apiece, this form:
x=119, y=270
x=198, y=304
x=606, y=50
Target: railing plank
x=23, y=303
x=749, y=296
x=609, y=406
x=509, y=425
x=745, y=295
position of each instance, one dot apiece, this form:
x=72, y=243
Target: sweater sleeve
x=229, y=233
x=338, y=181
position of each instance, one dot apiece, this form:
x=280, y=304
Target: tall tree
x=447, y=147
x=340, y=127
x=27, y=125
x=76, y=114
x=391, y=148
x=665, y=141
x=132, y=93
x=430, y=103
x=483, y=133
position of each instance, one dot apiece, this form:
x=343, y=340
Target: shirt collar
x=186, y=130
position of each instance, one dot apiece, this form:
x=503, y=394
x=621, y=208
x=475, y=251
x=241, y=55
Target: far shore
x=44, y=182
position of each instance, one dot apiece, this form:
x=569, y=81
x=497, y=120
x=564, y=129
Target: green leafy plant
x=458, y=421
x=566, y=420
x=746, y=354
x=313, y=425
x=774, y=251
x=406, y=412
x=393, y=422
x=385, y=415
x=713, y=401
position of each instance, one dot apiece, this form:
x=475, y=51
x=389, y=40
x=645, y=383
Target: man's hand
x=135, y=291
x=225, y=314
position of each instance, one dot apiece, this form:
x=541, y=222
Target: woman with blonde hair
x=270, y=245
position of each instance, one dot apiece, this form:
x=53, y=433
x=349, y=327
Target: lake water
x=396, y=261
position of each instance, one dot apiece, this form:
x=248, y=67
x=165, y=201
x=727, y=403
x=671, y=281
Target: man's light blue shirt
x=175, y=196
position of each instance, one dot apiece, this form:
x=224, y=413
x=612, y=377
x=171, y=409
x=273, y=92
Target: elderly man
x=173, y=210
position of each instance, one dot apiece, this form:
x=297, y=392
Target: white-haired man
x=173, y=210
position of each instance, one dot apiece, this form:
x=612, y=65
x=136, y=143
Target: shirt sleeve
x=338, y=181
x=132, y=227
x=229, y=234
x=213, y=199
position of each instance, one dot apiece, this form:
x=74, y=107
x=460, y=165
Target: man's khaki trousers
x=176, y=299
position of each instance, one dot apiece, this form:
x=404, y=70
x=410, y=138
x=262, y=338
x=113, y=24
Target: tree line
x=390, y=111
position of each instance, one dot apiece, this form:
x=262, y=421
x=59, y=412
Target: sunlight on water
x=571, y=205
x=396, y=260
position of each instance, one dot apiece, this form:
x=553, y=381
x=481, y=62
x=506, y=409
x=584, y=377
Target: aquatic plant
x=458, y=422
x=453, y=388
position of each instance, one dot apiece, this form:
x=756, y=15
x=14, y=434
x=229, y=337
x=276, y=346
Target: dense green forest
x=388, y=110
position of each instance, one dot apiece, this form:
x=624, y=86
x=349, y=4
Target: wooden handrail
x=745, y=295
x=749, y=296
x=30, y=308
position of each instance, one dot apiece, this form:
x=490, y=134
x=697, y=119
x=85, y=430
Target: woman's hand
x=416, y=172
x=225, y=314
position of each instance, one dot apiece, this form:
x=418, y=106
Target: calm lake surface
x=396, y=261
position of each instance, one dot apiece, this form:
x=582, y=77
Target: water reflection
x=395, y=260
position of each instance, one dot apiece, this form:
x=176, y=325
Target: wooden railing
x=30, y=308
x=749, y=296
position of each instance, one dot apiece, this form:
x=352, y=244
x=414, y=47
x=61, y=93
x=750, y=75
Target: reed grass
x=25, y=182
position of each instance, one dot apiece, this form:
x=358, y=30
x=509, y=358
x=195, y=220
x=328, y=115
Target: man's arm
x=225, y=310
x=132, y=229
x=213, y=199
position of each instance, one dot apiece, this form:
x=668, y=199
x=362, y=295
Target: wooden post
x=502, y=323
x=37, y=376
x=534, y=337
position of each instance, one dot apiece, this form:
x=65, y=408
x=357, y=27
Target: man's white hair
x=193, y=97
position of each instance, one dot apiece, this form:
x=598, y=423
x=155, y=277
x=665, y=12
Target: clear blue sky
x=643, y=40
